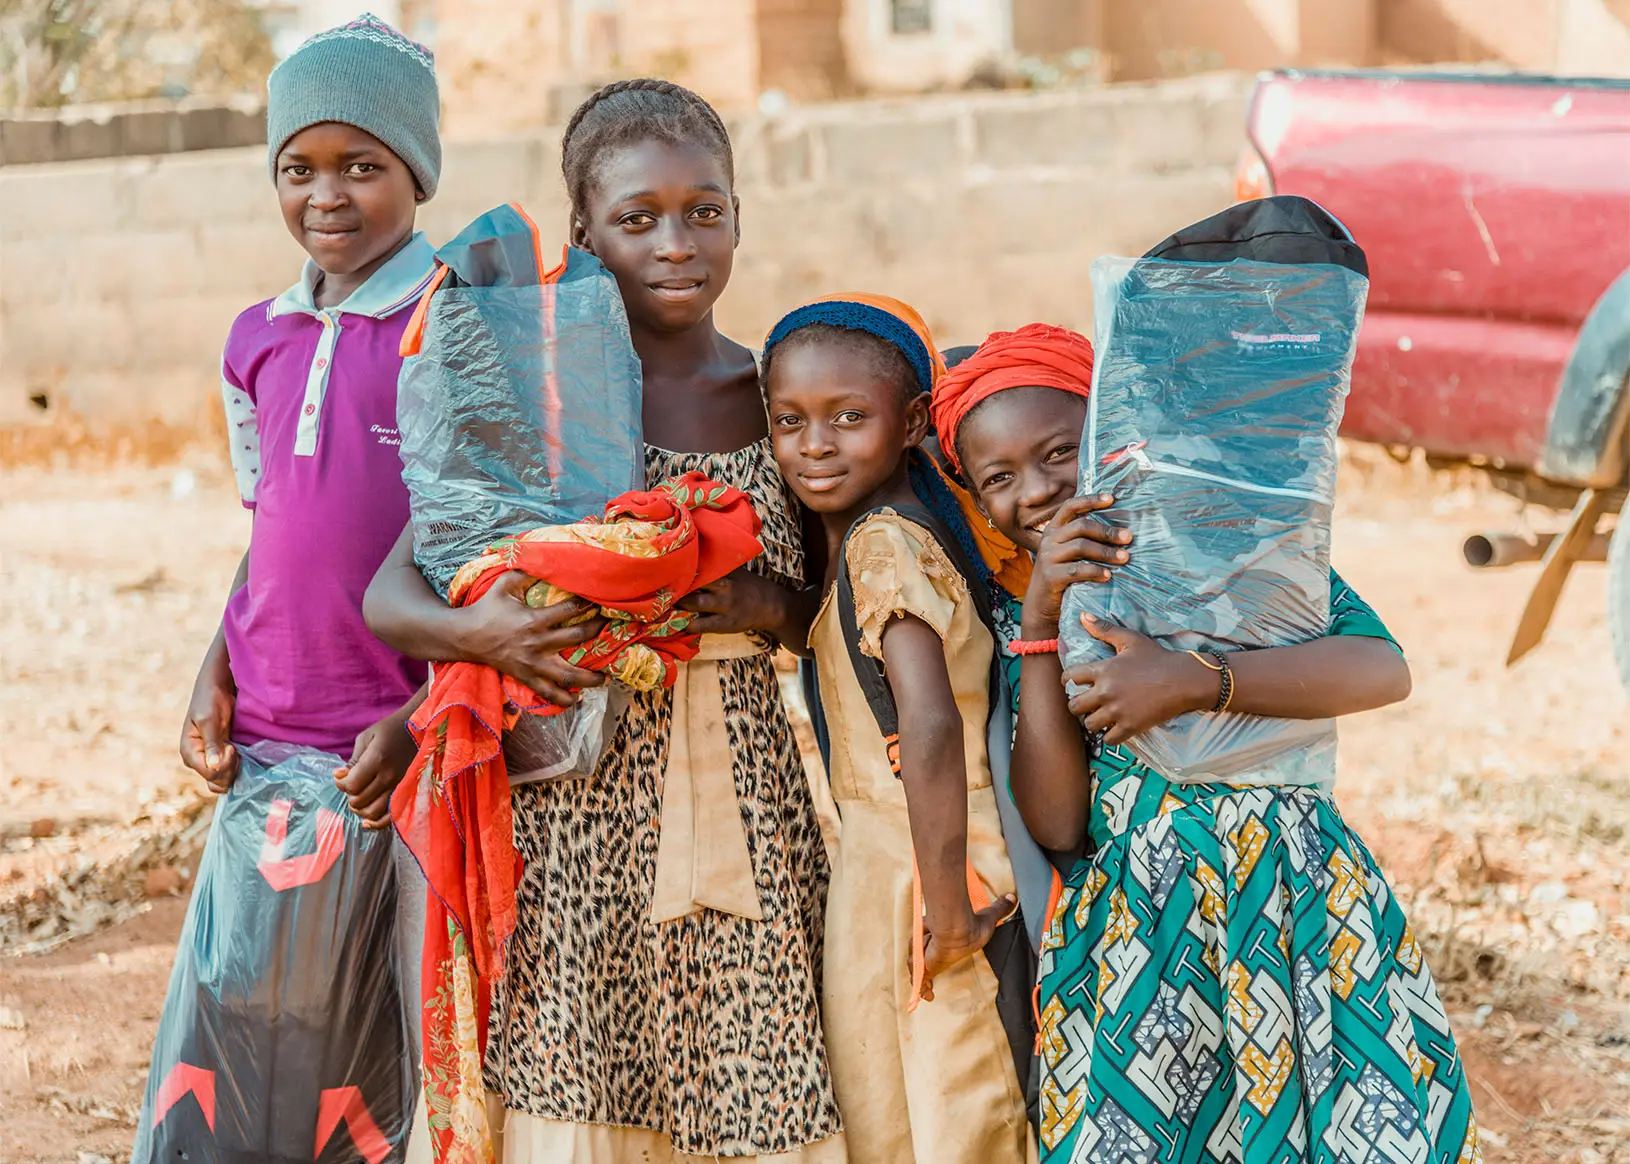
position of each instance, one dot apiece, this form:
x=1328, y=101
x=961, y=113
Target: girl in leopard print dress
x=661, y=1000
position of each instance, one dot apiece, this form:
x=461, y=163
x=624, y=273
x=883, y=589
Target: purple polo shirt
x=311, y=408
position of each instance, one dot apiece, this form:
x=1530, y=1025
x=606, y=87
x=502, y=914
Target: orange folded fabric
x=1008, y=565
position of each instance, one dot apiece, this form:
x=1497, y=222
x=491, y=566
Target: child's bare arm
x=745, y=601
x=1328, y=677
x=1144, y=685
x=1051, y=778
x=380, y=759
x=933, y=769
x=206, y=734
x=1050, y=774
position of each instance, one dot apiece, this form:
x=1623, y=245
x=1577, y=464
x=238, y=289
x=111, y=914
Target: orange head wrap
x=1038, y=355
x=883, y=316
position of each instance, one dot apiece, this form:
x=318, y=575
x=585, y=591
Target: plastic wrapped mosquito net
x=1223, y=360
x=521, y=408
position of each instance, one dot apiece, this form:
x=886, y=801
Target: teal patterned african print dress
x=1229, y=980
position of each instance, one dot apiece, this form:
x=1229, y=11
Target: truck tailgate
x=1494, y=210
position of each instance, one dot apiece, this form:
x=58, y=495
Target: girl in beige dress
x=921, y=879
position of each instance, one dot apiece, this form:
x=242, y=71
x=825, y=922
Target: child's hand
x=525, y=644
x=737, y=603
x=206, y=734
x=1141, y=686
x=1077, y=547
x=942, y=950
x=378, y=763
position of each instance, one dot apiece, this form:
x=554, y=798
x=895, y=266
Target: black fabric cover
x=1282, y=229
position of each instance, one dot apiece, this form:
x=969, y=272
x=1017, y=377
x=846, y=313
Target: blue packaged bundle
x=1223, y=364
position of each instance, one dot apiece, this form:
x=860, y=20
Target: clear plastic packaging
x=282, y=1036
x=1217, y=392
x=568, y=744
x=521, y=409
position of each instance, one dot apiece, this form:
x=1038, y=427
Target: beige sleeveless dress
x=935, y=1085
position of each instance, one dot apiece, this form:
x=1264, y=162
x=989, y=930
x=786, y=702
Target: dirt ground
x=1497, y=800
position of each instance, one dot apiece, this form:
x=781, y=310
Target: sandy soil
x=1497, y=800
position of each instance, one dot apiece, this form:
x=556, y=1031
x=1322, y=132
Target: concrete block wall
x=119, y=278
x=709, y=45
x=507, y=67
x=497, y=63
x=1518, y=32
x=130, y=130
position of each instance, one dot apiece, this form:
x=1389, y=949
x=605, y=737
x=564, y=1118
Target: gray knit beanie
x=365, y=74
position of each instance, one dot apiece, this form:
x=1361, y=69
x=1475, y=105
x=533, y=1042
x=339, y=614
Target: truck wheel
x=1618, y=597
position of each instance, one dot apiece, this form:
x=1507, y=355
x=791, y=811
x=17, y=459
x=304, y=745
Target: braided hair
x=628, y=112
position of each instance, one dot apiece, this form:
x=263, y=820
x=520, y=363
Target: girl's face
x=662, y=219
x=1018, y=451
x=840, y=432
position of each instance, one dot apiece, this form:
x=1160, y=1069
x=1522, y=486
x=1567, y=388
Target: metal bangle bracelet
x=1225, y=690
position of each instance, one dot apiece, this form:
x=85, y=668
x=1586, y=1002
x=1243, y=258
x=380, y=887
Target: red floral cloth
x=453, y=808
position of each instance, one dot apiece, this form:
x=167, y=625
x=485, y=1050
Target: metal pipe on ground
x=1491, y=550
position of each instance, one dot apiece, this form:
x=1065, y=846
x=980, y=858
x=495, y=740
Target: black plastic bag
x=282, y=1037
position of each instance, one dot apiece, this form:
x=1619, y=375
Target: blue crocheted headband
x=853, y=316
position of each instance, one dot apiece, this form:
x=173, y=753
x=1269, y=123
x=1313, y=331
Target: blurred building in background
x=121, y=213
x=507, y=65
x=289, y=22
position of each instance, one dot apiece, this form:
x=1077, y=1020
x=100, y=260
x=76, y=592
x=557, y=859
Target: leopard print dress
x=705, y=1029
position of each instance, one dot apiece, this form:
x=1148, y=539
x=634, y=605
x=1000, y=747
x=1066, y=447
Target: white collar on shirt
x=394, y=286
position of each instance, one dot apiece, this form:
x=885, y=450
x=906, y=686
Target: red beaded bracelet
x=1033, y=647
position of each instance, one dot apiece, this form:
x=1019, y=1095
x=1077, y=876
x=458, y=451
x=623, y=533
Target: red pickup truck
x=1495, y=211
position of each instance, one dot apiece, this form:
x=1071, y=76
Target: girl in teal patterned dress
x=1226, y=975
